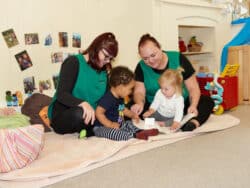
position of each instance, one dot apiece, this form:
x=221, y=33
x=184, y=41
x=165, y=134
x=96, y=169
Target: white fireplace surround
x=168, y=15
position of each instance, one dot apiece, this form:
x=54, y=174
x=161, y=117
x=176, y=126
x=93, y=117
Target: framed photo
x=57, y=57
x=29, y=85
x=23, y=60
x=10, y=38
x=44, y=85
x=31, y=38
x=63, y=39
x=76, y=40
x=48, y=40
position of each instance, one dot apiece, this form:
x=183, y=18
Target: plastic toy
x=216, y=93
x=19, y=96
x=230, y=70
x=14, y=100
x=8, y=98
x=182, y=46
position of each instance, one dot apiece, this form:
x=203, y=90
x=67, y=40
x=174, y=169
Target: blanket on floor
x=66, y=156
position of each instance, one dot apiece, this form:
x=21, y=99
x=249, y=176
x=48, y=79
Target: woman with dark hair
x=82, y=82
x=153, y=63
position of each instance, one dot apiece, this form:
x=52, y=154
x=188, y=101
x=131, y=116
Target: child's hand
x=135, y=118
x=146, y=114
x=115, y=125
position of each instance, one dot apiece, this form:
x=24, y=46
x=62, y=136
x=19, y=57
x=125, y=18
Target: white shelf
x=204, y=34
x=196, y=53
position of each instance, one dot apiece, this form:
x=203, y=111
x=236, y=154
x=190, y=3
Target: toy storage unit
x=241, y=55
x=230, y=94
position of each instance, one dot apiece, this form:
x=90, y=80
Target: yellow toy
x=230, y=70
x=19, y=96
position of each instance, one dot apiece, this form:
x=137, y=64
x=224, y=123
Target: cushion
x=20, y=146
x=33, y=105
x=14, y=121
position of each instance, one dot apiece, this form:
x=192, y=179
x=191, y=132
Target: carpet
x=65, y=156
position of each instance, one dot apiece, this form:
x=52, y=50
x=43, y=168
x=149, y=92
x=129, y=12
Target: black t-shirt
x=184, y=63
x=68, y=75
x=113, y=106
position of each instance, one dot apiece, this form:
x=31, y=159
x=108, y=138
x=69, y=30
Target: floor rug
x=65, y=156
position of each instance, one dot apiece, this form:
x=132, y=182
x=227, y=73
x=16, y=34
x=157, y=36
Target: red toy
x=230, y=86
x=182, y=46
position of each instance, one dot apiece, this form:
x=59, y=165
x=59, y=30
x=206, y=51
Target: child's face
x=126, y=90
x=168, y=90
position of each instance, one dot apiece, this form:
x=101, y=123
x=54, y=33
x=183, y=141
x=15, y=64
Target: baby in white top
x=168, y=104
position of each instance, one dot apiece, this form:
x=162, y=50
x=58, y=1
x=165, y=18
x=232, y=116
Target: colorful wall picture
x=55, y=79
x=31, y=38
x=48, y=40
x=57, y=57
x=63, y=39
x=10, y=38
x=29, y=85
x=23, y=60
x=76, y=40
x=44, y=85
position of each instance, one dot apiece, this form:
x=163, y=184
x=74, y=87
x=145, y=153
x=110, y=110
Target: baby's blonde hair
x=174, y=78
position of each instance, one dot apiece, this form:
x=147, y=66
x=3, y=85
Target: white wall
x=127, y=19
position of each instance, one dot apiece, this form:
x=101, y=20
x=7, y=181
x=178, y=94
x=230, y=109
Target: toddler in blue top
x=111, y=110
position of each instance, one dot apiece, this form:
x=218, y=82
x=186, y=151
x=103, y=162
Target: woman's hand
x=137, y=108
x=139, y=98
x=194, y=94
x=88, y=113
x=192, y=109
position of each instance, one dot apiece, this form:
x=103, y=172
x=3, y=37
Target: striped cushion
x=20, y=146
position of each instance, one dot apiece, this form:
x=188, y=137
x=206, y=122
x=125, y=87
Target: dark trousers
x=205, y=108
x=70, y=121
x=125, y=132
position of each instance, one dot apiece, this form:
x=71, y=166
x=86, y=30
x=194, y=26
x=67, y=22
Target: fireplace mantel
x=193, y=3
x=169, y=15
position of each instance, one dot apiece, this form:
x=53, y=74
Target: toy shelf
x=197, y=53
x=205, y=35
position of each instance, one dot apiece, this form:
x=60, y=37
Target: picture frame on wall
x=29, y=85
x=31, y=38
x=76, y=40
x=23, y=60
x=10, y=38
x=63, y=39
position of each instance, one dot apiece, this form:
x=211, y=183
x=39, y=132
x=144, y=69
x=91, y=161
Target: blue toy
x=14, y=100
x=216, y=93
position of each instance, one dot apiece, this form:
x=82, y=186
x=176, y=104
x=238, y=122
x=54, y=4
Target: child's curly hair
x=120, y=75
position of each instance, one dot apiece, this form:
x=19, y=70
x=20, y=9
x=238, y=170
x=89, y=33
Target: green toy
x=8, y=98
x=83, y=134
